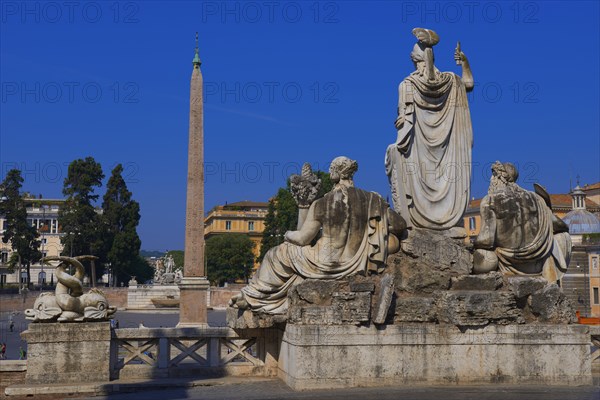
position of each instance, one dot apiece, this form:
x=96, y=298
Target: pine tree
x=22, y=236
x=121, y=216
x=79, y=221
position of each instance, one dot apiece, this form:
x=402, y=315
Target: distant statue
x=158, y=270
x=165, y=275
x=178, y=276
x=168, y=278
x=429, y=165
x=348, y=231
x=169, y=264
x=69, y=303
x=519, y=234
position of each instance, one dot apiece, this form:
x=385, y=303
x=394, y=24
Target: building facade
x=43, y=215
x=582, y=284
x=246, y=217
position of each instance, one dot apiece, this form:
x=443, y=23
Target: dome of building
x=582, y=221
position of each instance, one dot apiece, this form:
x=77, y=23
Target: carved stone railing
x=177, y=352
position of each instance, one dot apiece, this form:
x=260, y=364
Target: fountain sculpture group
x=369, y=295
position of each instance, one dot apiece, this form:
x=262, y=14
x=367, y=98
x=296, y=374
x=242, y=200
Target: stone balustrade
x=143, y=353
x=148, y=353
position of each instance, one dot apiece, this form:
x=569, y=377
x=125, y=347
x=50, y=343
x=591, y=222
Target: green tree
x=141, y=269
x=229, y=258
x=120, y=217
x=326, y=184
x=80, y=223
x=22, y=236
x=282, y=214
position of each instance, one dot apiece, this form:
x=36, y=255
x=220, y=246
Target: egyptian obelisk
x=194, y=285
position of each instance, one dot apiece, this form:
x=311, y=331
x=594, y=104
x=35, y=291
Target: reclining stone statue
x=69, y=303
x=519, y=234
x=348, y=231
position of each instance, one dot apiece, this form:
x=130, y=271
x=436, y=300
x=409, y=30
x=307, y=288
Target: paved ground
x=275, y=389
x=246, y=388
x=127, y=319
x=12, y=339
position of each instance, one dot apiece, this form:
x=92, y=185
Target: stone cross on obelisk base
x=194, y=285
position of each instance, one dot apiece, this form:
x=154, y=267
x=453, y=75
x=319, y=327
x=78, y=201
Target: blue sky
x=285, y=82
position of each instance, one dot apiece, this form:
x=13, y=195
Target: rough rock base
x=343, y=356
x=246, y=319
x=68, y=352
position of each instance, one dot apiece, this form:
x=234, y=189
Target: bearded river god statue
x=429, y=165
x=346, y=232
x=519, y=234
x=69, y=303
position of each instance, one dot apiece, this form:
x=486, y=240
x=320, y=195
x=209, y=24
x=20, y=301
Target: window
x=42, y=278
x=4, y=257
x=2, y=279
x=251, y=225
x=596, y=296
x=227, y=225
x=472, y=223
x=44, y=241
x=44, y=254
x=595, y=263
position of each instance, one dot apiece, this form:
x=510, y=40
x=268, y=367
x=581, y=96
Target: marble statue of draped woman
x=429, y=165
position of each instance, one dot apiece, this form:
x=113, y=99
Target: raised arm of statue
x=467, y=75
x=306, y=234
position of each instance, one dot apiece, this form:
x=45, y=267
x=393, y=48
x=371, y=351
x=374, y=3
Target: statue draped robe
x=354, y=239
x=541, y=252
x=429, y=166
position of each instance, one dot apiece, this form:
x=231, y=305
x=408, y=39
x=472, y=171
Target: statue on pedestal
x=519, y=234
x=346, y=232
x=69, y=303
x=429, y=165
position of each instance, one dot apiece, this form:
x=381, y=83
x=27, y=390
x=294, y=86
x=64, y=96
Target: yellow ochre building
x=247, y=217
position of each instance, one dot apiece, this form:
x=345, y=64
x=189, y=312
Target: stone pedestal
x=192, y=305
x=68, y=352
x=342, y=356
